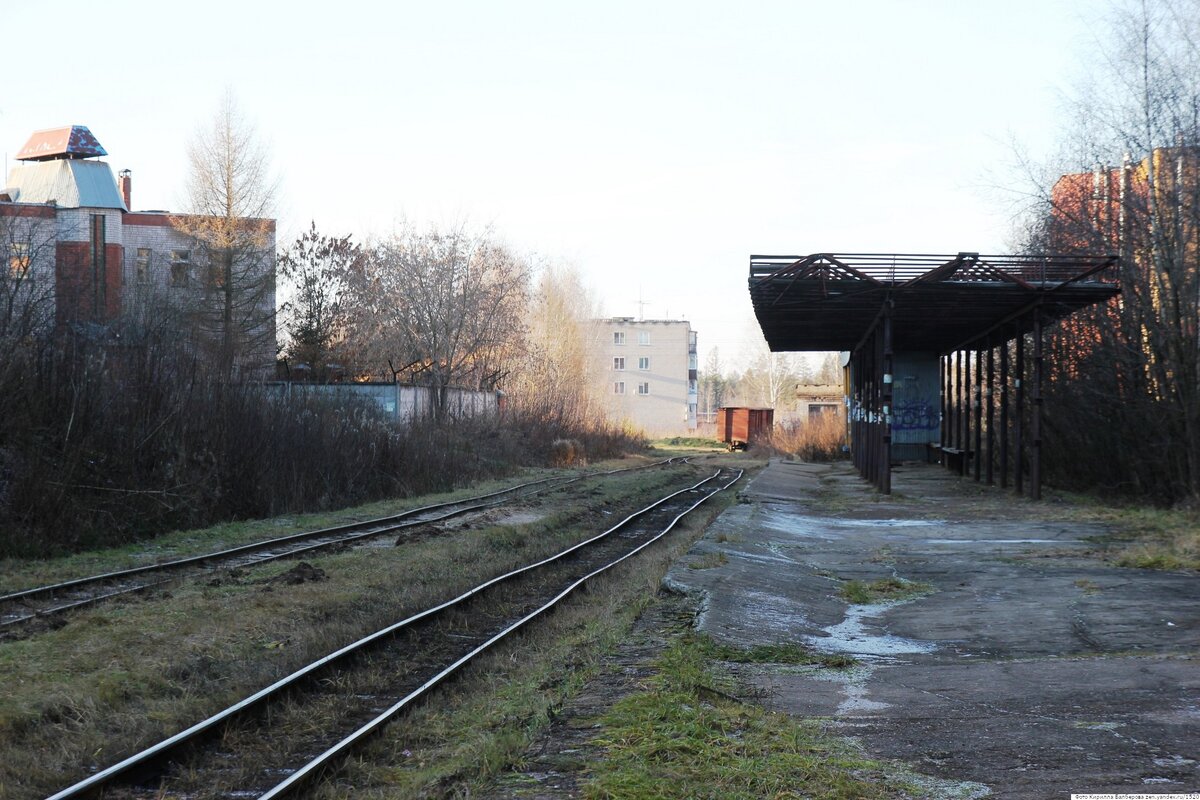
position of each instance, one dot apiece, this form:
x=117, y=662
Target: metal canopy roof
x=830, y=301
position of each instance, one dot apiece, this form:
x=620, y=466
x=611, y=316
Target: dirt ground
x=1025, y=667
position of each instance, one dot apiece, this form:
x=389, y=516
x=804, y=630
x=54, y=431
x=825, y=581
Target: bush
x=820, y=439
x=102, y=444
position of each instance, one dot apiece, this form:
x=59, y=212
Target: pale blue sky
x=653, y=145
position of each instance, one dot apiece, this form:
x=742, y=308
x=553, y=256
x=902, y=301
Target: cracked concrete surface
x=1031, y=668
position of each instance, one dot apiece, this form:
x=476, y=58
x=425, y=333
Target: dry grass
x=116, y=678
x=484, y=722
x=820, y=439
x=1160, y=538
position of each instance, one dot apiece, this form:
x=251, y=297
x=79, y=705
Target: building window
x=643, y=388
x=141, y=265
x=181, y=263
x=820, y=410
x=216, y=276
x=619, y=387
x=18, y=261
x=643, y=337
x=644, y=363
x=618, y=337
x=618, y=362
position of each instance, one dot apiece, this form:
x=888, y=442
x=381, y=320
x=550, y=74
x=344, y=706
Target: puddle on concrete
x=760, y=558
x=851, y=636
x=787, y=521
x=774, y=614
x=1002, y=541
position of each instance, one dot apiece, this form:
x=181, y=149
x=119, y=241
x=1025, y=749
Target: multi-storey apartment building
x=75, y=252
x=646, y=372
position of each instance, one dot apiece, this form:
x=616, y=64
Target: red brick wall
x=73, y=283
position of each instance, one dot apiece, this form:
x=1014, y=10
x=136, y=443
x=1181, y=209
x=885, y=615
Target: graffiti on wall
x=913, y=411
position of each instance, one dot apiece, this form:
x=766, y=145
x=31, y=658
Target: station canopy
x=940, y=303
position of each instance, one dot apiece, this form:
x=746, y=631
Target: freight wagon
x=740, y=427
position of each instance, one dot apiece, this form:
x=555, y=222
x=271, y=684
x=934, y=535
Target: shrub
x=105, y=443
x=819, y=439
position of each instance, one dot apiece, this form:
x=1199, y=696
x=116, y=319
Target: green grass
x=780, y=653
x=882, y=590
x=689, y=443
x=1153, y=538
x=1143, y=537
x=685, y=737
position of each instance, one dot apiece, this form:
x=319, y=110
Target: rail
x=335, y=536
x=147, y=758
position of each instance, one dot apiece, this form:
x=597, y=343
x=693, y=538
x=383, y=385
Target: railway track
x=43, y=603
x=276, y=741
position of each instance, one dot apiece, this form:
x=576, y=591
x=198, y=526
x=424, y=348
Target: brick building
x=646, y=372
x=1115, y=209
x=74, y=248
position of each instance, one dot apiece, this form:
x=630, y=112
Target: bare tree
x=439, y=307
x=27, y=290
x=315, y=269
x=553, y=380
x=1127, y=377
x=230, y=198
x=770, y=381
x=714, y=386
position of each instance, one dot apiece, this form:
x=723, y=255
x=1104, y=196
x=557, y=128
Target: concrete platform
x=1030, y=669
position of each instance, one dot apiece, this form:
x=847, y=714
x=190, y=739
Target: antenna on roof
x=641, y=306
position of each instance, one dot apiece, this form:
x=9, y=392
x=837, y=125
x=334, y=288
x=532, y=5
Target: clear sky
x=654, y=145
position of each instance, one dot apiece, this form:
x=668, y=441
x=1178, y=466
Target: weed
x=883, y=589
x=686, y=738
x=780, y=653
x=1151, y=538
x=690, y=443
x=709, y=561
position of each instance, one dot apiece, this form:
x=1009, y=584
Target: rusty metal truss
x=941, y=303
x=965, y=309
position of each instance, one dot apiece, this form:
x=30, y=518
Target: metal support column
x=1035, y=466
x=991, y=414
x=966, y=409
x=944, y=381
x=879, y=467
x=885, y=477
x=1004, y=432
x=977, y=453
x=1019, y=422
x=958, y=415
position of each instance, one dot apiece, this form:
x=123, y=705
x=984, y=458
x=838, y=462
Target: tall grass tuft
x=818, y=439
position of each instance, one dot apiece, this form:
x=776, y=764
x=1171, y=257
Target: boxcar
x=739, y=427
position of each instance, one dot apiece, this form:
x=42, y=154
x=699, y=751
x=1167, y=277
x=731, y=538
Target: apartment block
x=645, y=373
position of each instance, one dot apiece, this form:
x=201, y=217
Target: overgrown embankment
x=101, y=445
